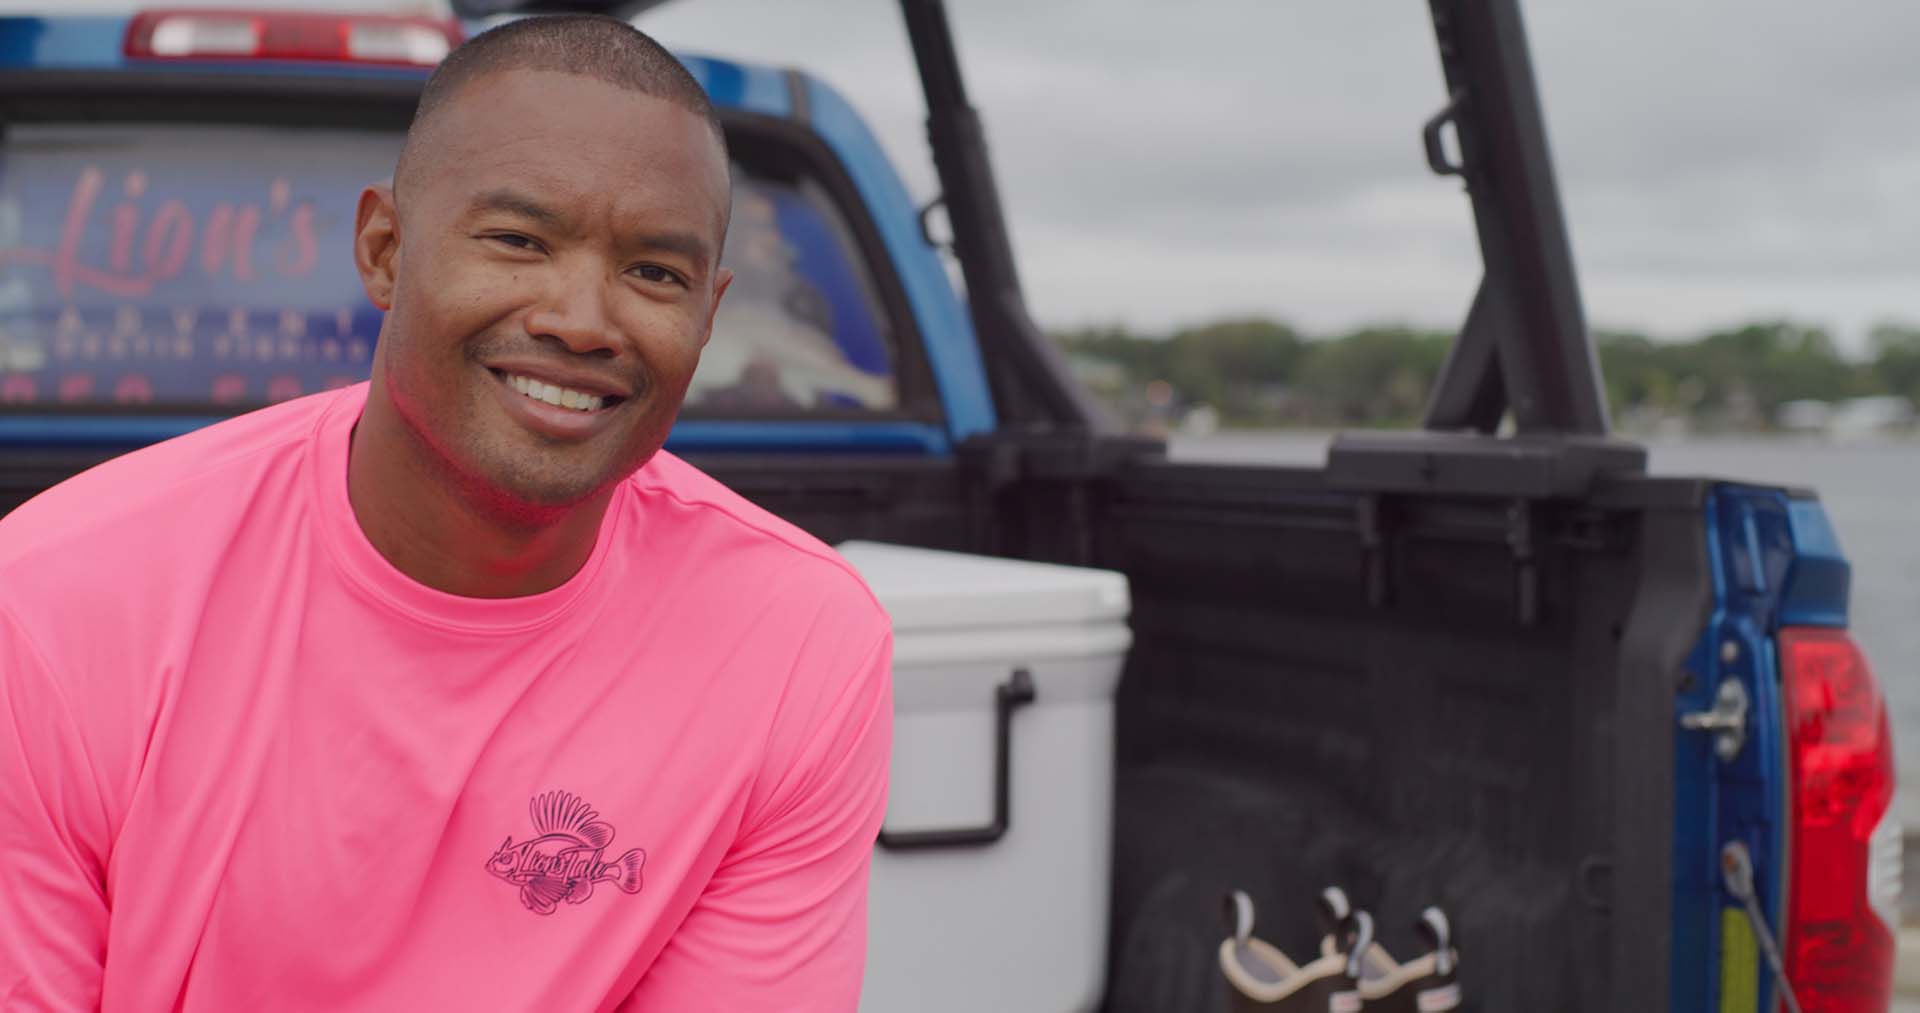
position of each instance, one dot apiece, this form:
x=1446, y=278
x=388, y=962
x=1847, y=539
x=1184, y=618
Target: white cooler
x=976, y=918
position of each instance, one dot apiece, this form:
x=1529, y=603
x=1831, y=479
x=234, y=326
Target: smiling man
x=452, y=690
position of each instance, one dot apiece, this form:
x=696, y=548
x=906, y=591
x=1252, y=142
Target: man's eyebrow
x=686, y=244
x=516, y=203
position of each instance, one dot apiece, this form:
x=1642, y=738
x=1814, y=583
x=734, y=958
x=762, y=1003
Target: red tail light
x=215, y=34
x=1845, y=850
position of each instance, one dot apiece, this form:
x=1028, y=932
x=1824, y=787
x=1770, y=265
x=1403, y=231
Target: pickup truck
x=1491, y=663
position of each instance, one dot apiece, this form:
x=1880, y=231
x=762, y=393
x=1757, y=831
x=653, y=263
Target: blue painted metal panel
x=1817, y=583
x=944, y=325
x=1775, y=562
x=105, y=431
x=1696, y=926
x=719, y=436
x=1752, y=803
x=741, y=86
x=74, y=43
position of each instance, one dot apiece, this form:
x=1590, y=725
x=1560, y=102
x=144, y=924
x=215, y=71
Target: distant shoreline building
x=1849, y=419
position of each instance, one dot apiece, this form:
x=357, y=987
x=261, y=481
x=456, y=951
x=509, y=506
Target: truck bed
x=1422, y=699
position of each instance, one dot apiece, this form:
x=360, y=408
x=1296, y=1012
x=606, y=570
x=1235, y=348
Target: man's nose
x=574, y=312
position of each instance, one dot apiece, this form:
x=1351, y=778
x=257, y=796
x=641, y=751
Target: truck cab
x=1492, y=664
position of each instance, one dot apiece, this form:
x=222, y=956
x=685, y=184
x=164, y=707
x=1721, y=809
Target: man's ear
x=721, y=281
x=376, y=244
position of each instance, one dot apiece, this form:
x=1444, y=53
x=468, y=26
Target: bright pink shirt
x=245, y=764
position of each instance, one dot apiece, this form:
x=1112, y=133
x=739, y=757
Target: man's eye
x=514, y=240
x=656, y=273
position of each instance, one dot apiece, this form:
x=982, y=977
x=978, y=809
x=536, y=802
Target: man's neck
x=435, y=533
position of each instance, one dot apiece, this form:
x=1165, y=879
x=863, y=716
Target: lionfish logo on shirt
x=563, y=861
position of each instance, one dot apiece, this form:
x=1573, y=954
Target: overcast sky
x=1720, y=160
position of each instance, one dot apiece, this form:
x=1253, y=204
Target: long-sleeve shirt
x=246, y=764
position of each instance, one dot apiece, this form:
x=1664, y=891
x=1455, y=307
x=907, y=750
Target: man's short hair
x=591, y=45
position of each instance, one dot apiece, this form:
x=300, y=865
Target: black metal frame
x=1524, y=348
x=1524, y=351
x=1525, y=345
x=1032, y=387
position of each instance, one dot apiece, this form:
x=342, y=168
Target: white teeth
x=560, y=397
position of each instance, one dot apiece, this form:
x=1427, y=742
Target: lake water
x=1871, y=491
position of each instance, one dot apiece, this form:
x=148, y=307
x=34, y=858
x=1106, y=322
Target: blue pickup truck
x=1613, y=722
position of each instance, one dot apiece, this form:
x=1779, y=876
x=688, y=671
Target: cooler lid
x=927, y=589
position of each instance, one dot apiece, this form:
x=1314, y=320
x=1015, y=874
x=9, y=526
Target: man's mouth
x=557, y=396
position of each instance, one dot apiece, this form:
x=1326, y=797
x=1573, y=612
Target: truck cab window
x=802, y=331
x=169, y=266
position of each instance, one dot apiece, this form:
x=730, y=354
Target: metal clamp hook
x=1727, y=720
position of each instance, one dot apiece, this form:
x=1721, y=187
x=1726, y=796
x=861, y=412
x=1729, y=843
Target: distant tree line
x=1259, y=372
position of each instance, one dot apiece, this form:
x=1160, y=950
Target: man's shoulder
x=763, y=543
x=146, y=495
